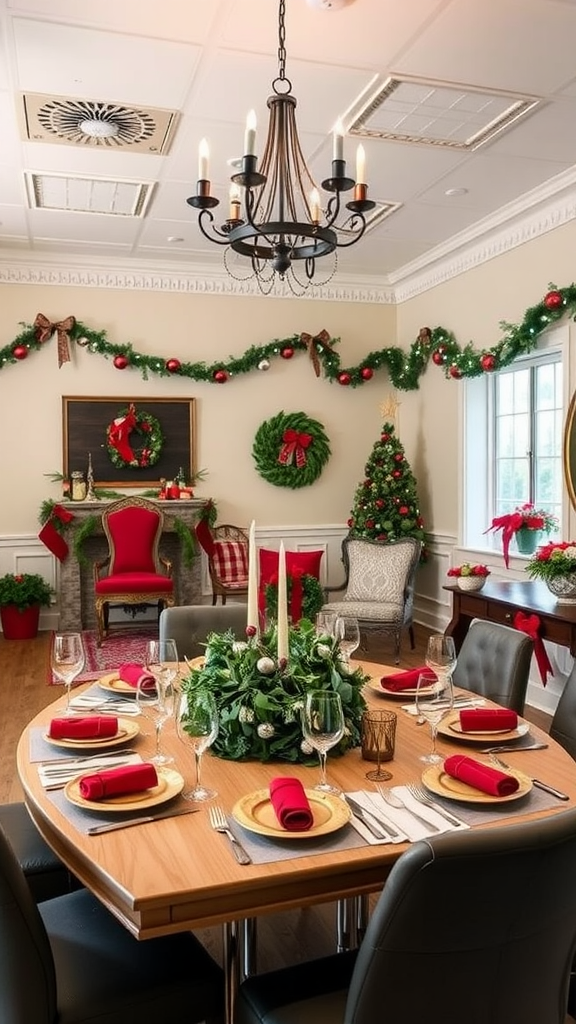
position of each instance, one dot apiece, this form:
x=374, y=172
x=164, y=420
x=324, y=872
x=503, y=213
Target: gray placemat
x=41, y=750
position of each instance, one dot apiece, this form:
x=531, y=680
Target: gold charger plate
x=196, y=662
x=439, y=782
x=127, y=730
x=255, y=813
x=374, y=684
x=170, y=784
x=113, y=684
x=450, y=726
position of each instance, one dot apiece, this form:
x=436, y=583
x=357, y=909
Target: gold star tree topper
x=389, y=408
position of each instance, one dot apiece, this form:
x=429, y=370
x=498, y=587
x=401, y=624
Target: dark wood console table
x=499, y=600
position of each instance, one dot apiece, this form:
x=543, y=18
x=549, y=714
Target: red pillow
x=307, y=563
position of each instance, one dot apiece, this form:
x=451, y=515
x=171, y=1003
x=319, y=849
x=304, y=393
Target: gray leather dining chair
x=69, y=961
x=563, y=725
x=190, y=625
x=477, y=927
x=494, y=661
x=45, y=873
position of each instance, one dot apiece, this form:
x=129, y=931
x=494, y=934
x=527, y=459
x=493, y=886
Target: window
x=513, y=440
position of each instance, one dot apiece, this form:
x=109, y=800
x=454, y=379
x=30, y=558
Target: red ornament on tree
x=173, y=365
x=366, y=373
x=350, y=523
x=455, y=372
x=121, y=362
x=384, y=437
x=344, y=379
x=399, y=457
x=220, y=376
x=369, y=524
x=403, y=510
x=379, y=502
x=20, y=352
x=439, y=355
x=488, y=362
x=396, y=474
x=553, y=300
x=287, y=353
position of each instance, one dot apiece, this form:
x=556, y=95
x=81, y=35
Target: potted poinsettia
x=525, y=524
x=21, y=597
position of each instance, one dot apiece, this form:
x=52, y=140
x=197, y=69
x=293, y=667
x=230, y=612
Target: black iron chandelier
x=276, y=226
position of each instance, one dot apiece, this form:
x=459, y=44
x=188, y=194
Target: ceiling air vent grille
x=97, y=124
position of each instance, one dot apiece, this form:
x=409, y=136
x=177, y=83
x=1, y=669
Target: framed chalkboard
x=133, y=442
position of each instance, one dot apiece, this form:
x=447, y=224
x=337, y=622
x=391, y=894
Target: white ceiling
x=213, y=60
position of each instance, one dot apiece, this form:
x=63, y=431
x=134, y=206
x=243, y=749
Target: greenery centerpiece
x=260, y=698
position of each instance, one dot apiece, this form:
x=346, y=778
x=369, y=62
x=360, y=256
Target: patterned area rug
x=123, y=645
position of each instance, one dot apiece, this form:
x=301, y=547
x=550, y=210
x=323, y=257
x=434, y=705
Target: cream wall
x=193, y=327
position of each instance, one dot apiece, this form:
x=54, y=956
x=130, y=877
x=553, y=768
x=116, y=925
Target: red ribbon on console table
x=530, y=624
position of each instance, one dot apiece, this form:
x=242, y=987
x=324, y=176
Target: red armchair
x=132, y=573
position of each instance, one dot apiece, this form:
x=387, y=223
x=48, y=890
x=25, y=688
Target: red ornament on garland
x=344, y=379
x=121, y=362
x=20, y=352
x=220, y=376
x=287, y=353
x=439, y=355
x=488, y=362
x=173, y=365
x=455, y=373
x=553, y=300
x=366, y=373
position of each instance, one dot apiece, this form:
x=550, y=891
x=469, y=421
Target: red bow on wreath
x=294, y=446
x=45, y=329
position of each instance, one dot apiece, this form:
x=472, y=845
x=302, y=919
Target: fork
x=422, y=797
x=395, y=801
x=219, y=823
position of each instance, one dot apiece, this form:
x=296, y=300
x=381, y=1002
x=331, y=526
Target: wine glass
x=347, y=633
x=323, y=727
x=326, y=623
x=197, y=723
x=67, y=661
x=156, y=700
x=441, y=654
x=434, y=700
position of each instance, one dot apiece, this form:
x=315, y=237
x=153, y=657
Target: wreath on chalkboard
x=291, y=450
x=120, y=443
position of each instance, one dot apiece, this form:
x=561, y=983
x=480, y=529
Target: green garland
x=148, y=427
x=404, y=367
x=278, y=461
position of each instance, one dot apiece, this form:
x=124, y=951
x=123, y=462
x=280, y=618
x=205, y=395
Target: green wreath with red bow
x=120, y=442
x=291, y=450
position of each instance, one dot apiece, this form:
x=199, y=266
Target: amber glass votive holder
x=378, y=741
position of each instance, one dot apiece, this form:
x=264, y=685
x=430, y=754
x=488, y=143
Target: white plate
x=112, y=684
x=170, y=784
x=127, y=730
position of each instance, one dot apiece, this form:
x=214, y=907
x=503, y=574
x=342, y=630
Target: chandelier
x=276, y=225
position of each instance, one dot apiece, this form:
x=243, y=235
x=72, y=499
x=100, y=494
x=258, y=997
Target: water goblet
x=347, y=633
x=67, y=661
x=197, y=724
x=326, y=623
x=323, y=727
x=156, y=700
x=441, y=654
x=434, y=700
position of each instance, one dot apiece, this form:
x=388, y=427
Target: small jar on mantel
x=78, y=492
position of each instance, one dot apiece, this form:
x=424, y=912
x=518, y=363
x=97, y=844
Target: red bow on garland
x=294, y=446
x=45, y=329
x=530, y=624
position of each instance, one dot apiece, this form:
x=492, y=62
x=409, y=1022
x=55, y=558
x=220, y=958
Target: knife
x=96, y=830
x=372, y=824
x=550, y=789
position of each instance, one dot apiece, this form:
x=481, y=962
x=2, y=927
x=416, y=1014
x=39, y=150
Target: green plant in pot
x=21, y=597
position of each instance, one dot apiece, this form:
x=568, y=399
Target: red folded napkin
x=487, y=719
x=290, y=804
x=481, y=776
x=403, y=680
x=136, y=675
x=89, y=728
x=133, y=778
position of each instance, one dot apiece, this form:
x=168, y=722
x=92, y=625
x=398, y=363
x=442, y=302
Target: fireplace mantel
x=76, y=581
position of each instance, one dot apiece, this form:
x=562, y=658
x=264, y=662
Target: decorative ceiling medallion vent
x=436, y=113
x=99, y=124
x=87, y=195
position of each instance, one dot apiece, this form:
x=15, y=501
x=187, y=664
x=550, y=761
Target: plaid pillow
x=230, y=560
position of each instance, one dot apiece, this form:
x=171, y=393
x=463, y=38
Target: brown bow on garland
x=322, y=339
x=294, y=445
x=45, y=329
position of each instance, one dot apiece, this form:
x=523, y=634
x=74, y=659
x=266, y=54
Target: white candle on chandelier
x=252, y=579
x=282, y=606
x=203, y=156
x=234, y=213
x=360, y=166
x=250, y=135
x=315, y=210
x=338, y=141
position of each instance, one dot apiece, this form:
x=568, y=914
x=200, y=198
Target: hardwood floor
x=282, y=939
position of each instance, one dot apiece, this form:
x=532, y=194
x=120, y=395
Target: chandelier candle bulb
x=250, y=135
x=338, y=142
x=234, y=203
x=252, y=578
x=361, y=165
x=282, y=605
x=203, y=157
x=315, y=211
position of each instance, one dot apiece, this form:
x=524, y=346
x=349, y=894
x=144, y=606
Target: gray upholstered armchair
x=378, y=586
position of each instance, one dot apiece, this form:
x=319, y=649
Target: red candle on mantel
x=173, y=491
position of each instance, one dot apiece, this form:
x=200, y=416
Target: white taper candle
x=282, y=605
x=252, y=579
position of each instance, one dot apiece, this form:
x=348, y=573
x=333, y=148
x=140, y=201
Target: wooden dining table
x=178, y=874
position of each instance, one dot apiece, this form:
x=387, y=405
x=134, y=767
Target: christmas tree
x=386, y=503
